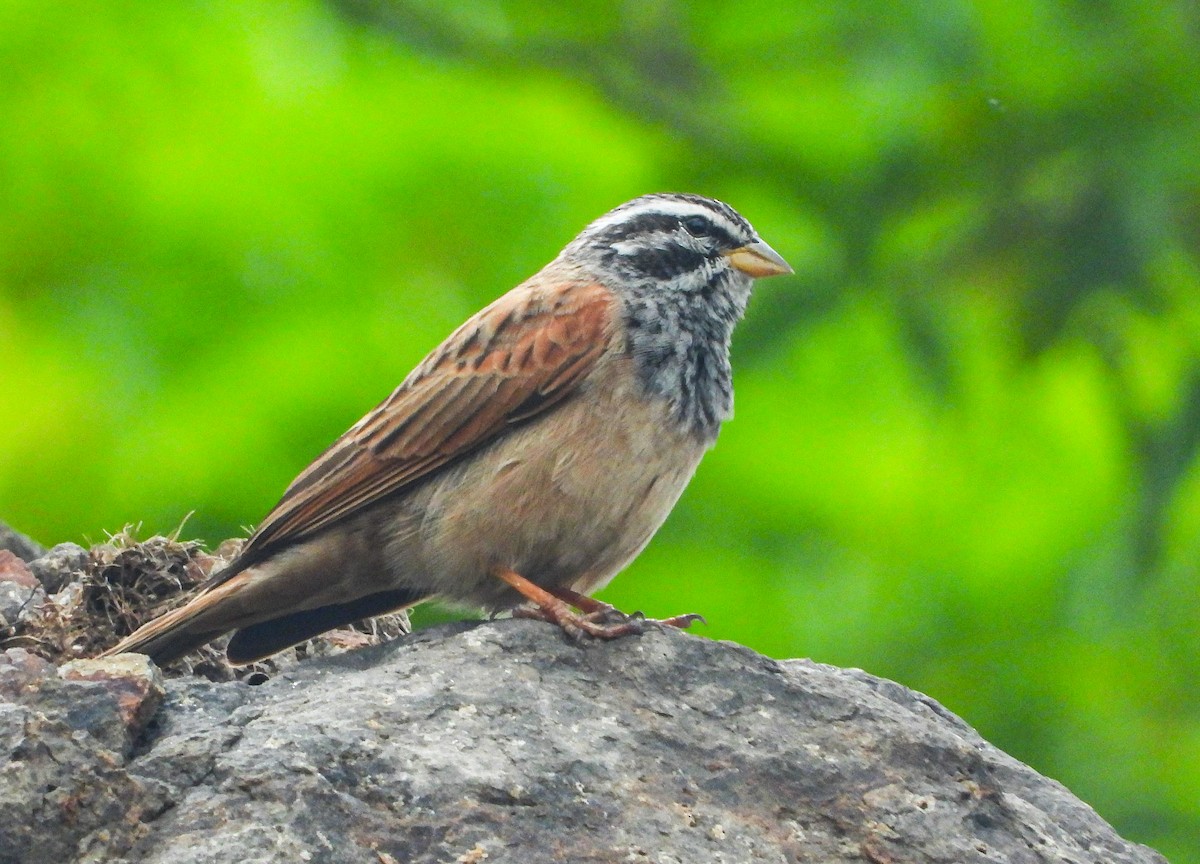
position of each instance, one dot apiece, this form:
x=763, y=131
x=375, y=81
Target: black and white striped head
x=682, y=266
x=685, y=242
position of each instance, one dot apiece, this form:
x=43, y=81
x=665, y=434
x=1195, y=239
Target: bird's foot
x=576, y=625
x=594, y=618
x=605, y=613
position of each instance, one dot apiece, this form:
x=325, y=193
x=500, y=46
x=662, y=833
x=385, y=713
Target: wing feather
x=512, y=361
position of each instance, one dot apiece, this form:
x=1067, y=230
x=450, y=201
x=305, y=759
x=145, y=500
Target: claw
x=684, y=621
x=599, y=620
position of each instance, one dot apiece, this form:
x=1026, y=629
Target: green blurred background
x=966, y=449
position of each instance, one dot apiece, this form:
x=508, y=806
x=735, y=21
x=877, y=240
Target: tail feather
x=185, y=629
x=265, y=638
x=229, y=606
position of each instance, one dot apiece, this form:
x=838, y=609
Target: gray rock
x=60, y=565
x=20, y=592
x=504, y=741
x=15, y=601
x=20, y=545
x=64, y=745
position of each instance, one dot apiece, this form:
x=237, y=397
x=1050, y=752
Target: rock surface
x=55, y=568
x=20, y=545
x=20, y=591
x=503, y=742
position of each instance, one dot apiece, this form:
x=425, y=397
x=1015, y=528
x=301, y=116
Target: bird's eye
x=697, y=226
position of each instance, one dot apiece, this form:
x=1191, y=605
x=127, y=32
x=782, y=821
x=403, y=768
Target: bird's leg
x=547, y=607
x=600, y=611
x=555, y=606
x=592, y=609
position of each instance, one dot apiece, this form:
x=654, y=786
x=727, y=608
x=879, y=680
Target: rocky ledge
x=503, y=741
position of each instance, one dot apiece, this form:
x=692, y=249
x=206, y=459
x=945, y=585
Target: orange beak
x=757, y=260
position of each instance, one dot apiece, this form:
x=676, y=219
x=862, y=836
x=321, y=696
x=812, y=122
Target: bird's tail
x=185, y=629
x=263, y=624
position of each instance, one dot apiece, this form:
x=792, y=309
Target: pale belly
x=566, y=501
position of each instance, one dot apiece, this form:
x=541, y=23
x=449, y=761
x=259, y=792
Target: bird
x=523, y=463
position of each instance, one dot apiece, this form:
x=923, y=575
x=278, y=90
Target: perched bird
x=528, y=458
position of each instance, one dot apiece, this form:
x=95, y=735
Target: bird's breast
x=566, y=499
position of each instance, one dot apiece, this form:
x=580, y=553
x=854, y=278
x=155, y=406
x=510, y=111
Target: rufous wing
x=513, y=360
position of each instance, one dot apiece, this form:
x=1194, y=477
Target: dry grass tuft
x=125, y=582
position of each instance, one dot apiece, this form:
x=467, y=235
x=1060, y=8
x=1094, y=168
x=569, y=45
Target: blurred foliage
x=965, y=455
